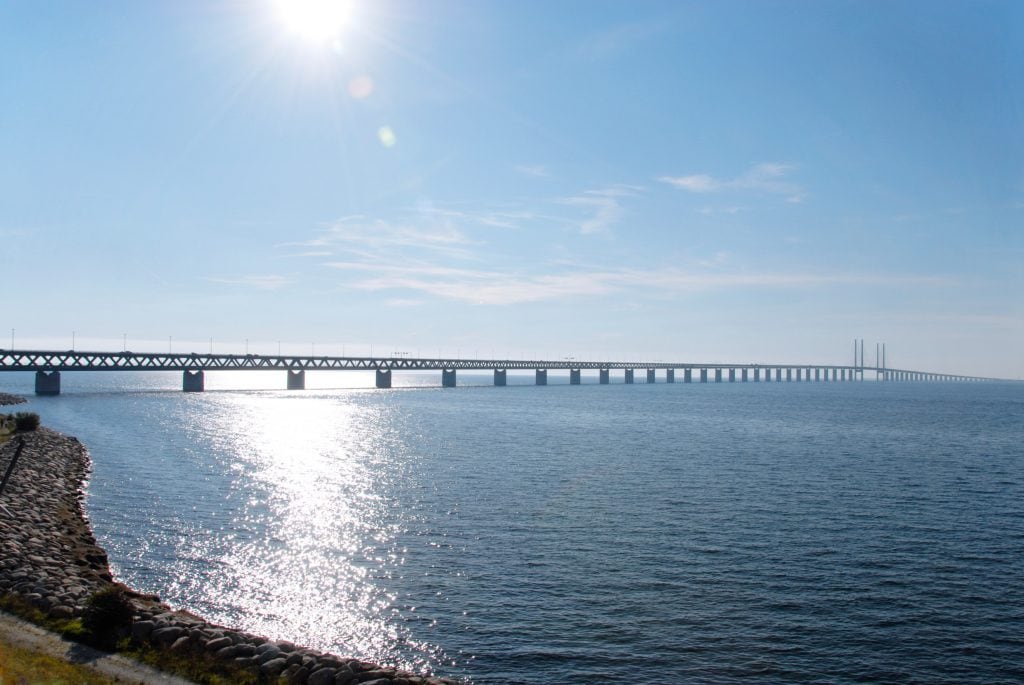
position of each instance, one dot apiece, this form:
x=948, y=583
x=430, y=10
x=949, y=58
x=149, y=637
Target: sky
x=761, y=181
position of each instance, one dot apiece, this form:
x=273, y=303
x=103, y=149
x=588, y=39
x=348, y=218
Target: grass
x=199, y=667
x=25, y=667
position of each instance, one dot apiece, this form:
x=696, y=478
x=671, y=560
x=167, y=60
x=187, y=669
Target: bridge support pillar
x=447, y=378
x=670, y=375
x=732, y=375
x=542, y=376
x=500, y=377
x=603, y=376
x=296, y=379
x=192, y=380
x=757, y=375
x=789, y=375
x=778, y=375
x=383, y=378
x=628, y=376
x=835, y=375
x=767, y=375
x=574, y=376
x=47, y=382
x=743, y=375
x=703, y=375
x=687, y=375
x=718, y=375
x=799, y=373
x=650, y=375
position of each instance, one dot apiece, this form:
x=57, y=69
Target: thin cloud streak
x=507, y=287
x=269, y=282
x=767, y=177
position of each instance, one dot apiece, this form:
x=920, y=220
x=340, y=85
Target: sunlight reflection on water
x=314, y=541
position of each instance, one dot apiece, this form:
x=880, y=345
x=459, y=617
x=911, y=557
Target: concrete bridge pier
x=743, y=375
x=650, y=376
x=732, y=375
x=703, y=375
x=447, y=378
x=603, y=376
x=789, y=375
x=542, y=376
x=574, y=376
x=670, y=375
x=778, y=375
x=47, y=382
x=767, y=375
x=718, y=375
x=192, y=380
x=383, y=378
x=628, y=376
x=798, y=374
x=756, y=373
x=687, y=375
x=500, y=377
x=296, y=379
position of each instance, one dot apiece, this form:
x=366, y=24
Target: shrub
x=26, y=421
x=107, y=616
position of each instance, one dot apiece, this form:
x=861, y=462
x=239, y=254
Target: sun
x=315, y=20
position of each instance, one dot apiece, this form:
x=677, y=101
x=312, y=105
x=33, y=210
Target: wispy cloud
x=269, y=282
x=377, y=235
x=767, y=177
x=535, y=170
x=604, y=207
x=505, y=287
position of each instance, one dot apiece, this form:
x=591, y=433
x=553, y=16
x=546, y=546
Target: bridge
x=48, y=366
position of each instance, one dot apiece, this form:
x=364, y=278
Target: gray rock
x=269, y=654
x=376, y=681
x=181, y=644
x=228, y=652
x=272, y=668
x=166, y=636
x=325, y=676
x=61, y=611
x=141, y=630
x=219, y=643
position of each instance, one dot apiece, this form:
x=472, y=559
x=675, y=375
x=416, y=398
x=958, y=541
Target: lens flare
x=386, y=136
x=360, y=87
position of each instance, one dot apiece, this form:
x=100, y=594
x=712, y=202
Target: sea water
x=757, y=532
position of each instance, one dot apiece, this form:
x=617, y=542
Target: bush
x=26, y=421
x=108, y=616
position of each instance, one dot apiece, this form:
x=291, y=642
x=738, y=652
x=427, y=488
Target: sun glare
x=315, y=20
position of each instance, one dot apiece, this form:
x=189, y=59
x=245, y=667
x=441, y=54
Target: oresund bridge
x=48, y=366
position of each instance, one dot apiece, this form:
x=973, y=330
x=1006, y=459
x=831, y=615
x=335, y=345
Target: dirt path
x=25, y=635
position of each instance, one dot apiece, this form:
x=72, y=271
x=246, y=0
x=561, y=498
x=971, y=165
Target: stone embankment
x=50, y=559
x=6, y=398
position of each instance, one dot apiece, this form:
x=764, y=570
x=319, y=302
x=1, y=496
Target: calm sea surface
x=830, y=532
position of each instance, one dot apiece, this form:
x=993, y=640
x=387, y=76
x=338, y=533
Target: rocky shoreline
x=50, y=560
x=7, y=398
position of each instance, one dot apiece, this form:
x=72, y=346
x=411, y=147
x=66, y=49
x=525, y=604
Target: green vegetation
x=19, y=665
x=107, y=617
x=26, y=421
x=106, y=625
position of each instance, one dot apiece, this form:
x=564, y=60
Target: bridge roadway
x=48, y=366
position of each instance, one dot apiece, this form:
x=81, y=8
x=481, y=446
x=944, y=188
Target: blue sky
x=736, y=181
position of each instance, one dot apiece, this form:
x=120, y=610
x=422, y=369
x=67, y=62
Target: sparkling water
x=769, y=532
